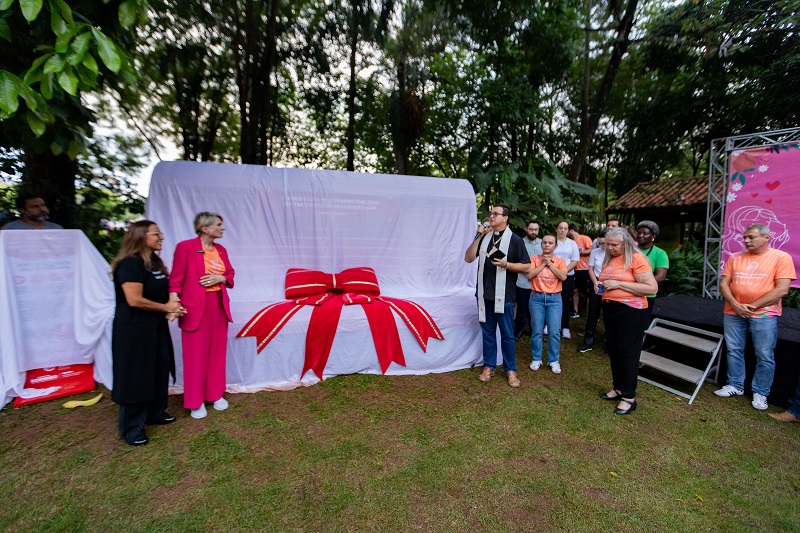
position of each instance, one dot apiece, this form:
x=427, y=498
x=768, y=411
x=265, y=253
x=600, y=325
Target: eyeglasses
x=155, y=233
x=493, y=214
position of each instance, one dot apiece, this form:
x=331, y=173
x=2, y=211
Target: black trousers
x=583, y=283
x=567, y=286
x=624, y=335
x=134, y=416
x=522, y=321
x=595, y=304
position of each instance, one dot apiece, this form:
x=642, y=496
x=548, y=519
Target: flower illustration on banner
x=763, y=168
x=731, y=197
x=736, y=187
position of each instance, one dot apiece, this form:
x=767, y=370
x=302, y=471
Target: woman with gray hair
x=627, y=279
x=200, y=279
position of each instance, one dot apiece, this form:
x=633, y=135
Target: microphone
x=485, y=224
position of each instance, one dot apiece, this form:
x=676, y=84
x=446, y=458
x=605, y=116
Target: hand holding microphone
x=483, y=229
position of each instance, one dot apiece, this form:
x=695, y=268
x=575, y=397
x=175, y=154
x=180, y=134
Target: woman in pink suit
x=200, y=279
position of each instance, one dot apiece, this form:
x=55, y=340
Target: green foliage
x=792, y=299
x=64, y=58
x=706, y=70
x=685, y=270
x=540, y=191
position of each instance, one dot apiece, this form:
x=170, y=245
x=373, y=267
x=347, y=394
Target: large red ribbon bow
x=328, y=293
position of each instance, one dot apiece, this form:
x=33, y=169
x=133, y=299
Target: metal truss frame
x=718, y=174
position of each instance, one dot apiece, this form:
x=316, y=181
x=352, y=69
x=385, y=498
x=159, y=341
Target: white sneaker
x=200, y=412
x=221, y=404
x=544, y=332
x=535, y=365
x=565, y=334
x=728, y=391
x=555, y=367
x=759, y=402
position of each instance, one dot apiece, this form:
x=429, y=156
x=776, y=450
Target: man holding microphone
x=501, y=254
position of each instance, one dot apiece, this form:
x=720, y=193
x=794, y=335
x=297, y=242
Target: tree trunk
x=52, y=177
x=350, y=140
x=621, y=44
x=254, y=43
x=400, y=152
x=586, y=77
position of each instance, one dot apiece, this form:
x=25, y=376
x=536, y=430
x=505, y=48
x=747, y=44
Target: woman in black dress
x=141, y=344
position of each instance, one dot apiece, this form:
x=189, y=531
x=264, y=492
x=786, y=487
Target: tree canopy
x=538, y=104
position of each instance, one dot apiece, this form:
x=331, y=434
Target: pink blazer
x=187, y=269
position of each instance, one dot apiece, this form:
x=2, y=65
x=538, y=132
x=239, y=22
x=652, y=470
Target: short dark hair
x=602, y=234
x=613, y=218
x=533, y=222
x=573, y=226
x=505, y=208
x=23, y=198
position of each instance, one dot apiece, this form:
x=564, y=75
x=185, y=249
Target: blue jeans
x=545, y=309
x=764, y=332
x=508, y=344
x=794, y=401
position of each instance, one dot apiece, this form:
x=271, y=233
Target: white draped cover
x=56, y=307
x=412, y=230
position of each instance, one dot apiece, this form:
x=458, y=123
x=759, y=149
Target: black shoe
x=627, y=411
x=585, y=348
x=165, y=419
x=605, y=396
x=139, y=442
x=576, y=314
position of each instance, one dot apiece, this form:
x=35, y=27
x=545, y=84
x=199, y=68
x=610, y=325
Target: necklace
x=496, y=242
x=648, y=251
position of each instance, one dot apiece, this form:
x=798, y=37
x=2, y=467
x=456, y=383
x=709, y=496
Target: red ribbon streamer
x=328, y=293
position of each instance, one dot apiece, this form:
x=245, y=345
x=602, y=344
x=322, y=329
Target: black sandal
x=629, y=410
x=605, y=396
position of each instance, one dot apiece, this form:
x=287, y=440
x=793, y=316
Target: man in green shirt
x=646, y=234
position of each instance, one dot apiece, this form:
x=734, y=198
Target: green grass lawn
x=439, y=452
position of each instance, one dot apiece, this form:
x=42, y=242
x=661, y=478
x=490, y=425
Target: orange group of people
x=623, y=282
x=148, y=294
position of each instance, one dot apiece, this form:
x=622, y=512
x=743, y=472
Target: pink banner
x=764, y=189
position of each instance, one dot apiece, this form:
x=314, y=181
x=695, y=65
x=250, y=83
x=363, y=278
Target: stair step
x=673, y=368
x=704, y=345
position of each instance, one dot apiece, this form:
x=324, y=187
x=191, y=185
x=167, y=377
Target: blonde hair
x=627, y=242
x=204, y=219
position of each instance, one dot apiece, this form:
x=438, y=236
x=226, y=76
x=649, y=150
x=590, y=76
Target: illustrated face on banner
x=742, y=218
x=764, y=185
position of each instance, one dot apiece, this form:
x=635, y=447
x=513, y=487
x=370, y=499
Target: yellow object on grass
x=82, y=403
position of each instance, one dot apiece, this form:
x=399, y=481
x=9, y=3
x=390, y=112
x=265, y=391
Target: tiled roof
x=685, y=193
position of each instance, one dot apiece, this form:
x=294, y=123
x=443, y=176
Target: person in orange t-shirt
x=752, y=284
x=546, y=274
x=582, y=282
x=627, y=279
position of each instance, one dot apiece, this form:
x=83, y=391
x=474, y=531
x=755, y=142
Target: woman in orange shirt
x=547, y=273
x=201, y=276
x=627, y=279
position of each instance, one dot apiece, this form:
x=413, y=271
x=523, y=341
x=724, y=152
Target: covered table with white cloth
x=411, y=230
x=56, y=307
